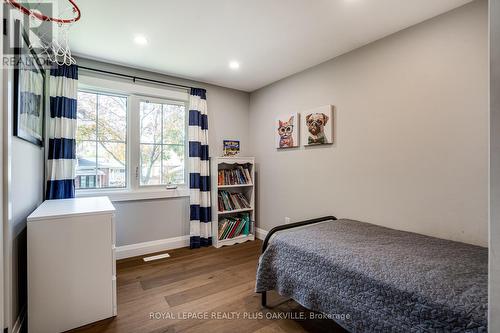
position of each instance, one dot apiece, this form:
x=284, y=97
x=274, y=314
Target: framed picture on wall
x=29, y=90
x=287, y=131
x=318, y=126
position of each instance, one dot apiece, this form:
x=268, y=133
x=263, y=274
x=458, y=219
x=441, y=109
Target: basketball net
x=52, y=38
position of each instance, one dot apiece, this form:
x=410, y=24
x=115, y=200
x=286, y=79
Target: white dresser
x=71, y=264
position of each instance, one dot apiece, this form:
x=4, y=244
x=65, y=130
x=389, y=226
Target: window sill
x=131, y=195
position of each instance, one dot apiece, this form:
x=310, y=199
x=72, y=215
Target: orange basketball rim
x=42, y=17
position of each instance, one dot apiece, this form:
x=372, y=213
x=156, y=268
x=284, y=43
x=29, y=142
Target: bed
x=374, y=279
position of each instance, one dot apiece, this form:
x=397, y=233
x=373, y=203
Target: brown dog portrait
x=316, y=123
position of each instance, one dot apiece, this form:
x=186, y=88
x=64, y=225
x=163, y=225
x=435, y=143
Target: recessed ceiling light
x=140, y=40
x=234, y=65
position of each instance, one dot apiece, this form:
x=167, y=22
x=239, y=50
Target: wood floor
x=201, y=290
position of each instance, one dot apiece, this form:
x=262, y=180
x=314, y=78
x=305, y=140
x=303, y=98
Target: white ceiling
x=271, y=39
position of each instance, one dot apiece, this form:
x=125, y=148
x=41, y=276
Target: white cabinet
x=71, y=264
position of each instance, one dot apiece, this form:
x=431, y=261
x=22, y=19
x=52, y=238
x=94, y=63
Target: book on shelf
x=231, y=227
x=228, y=201
x=237, y=176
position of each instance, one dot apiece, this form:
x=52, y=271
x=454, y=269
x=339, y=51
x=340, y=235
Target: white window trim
x=117, y=195
x=136, y=92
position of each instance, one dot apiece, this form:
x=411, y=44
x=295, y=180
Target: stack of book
x=231, y=227
x=232, y=201
x=237, y=176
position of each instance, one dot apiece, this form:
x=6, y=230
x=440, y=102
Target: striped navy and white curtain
x=199, y=173
x=61, y=159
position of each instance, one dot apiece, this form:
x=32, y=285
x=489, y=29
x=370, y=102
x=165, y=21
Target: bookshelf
x=233, y=200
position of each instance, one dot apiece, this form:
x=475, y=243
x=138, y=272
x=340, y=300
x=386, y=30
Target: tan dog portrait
x=316, y=123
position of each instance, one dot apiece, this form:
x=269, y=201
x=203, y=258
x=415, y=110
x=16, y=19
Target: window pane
x=151, y=114
x=111, y=165
x=91, y=181
x=150, y=164
x=83, y=181
x=86, y=163
x=101, y=141
x=112, y=113
x=174, y=124
x=86, y=116
x=173, y=164
x=163, y=128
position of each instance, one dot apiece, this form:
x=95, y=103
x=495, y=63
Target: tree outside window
x=162, y=147
x=102, y=160
x=101, y=141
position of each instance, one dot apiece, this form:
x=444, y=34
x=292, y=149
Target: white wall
x=411, y=145
x=23, y=192
x=494, y=273
x=148, y=220
x=26, y=194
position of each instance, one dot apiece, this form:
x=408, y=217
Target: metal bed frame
x=285, y=227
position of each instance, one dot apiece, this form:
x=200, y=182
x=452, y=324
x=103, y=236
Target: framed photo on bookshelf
x=231, y=148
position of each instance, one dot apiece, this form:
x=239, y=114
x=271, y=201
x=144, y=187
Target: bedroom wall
x=494, y=274
x=27, y=169
x=411, y=146
x=23, y=191
x=149, y=220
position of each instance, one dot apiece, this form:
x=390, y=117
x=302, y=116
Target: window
x=131, y=142
x=162, y=143
x=101, y=141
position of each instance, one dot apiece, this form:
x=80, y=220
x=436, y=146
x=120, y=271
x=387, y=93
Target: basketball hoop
x=42, y=17
x=54, y=44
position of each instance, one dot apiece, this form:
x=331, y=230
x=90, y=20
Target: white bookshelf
x=248, y=190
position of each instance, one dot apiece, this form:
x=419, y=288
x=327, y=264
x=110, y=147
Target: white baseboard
x=260, y=233
x=139, y=249
x=20, y=321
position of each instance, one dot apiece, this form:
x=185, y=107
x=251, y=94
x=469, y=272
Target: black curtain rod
x=134, y=78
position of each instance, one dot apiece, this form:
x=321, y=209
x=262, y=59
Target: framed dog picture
x=287, y=131
x=318, y=126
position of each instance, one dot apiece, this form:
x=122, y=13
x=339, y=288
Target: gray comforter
x=374, y=279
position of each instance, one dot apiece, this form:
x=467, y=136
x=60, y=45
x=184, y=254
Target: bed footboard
x=285, y=227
